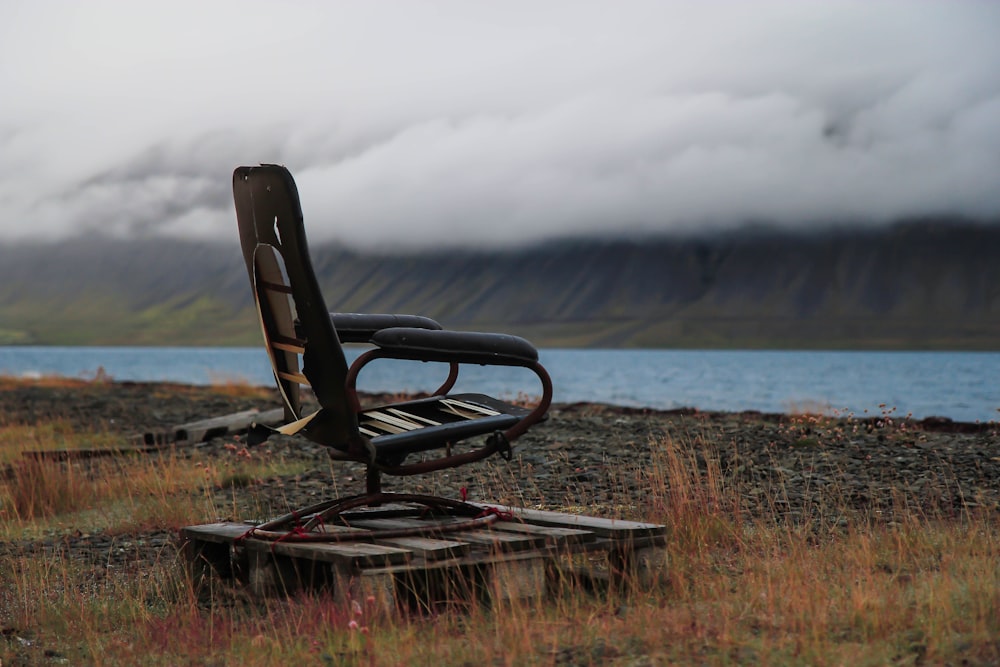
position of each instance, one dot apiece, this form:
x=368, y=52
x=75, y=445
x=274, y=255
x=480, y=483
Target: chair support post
x=373, y=480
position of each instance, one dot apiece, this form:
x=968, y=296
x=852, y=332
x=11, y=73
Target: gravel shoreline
x=598, y=457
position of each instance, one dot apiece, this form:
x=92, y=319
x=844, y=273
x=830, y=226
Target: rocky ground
x=605, y=459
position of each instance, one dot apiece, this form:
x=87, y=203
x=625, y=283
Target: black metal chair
x=298, y=327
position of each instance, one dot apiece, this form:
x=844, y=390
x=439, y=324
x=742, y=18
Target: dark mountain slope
x=930, y=284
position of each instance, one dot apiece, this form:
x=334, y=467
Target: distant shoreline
x=65, y=385
x=956, y=385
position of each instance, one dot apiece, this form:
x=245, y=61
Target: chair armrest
x=360, y=327
x=455, y=346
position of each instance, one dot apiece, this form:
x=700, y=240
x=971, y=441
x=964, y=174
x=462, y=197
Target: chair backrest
x=293, y=315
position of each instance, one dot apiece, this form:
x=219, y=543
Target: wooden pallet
x=523, y=556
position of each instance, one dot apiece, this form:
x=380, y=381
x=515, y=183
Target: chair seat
x=430, y=423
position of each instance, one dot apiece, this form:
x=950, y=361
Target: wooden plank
x=613, y=528
x=387, y=511
x=554, y=535
x=216, y=532
x=473, y=558
x=393, y=420
x=206, y=429
x=429, y=549
x=294, y=377
x=497, y=540
x=274, y=287
x=383, y=426
x=392, y=523
x=344, y=554
x=81, y=454
x=288, y=347
x=501, y=541
x=409, y=415
x=482, y=410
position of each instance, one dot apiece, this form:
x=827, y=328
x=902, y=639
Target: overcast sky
x=418, y=123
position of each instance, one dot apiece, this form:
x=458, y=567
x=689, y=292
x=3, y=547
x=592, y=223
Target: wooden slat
x=408, y=415
x=463, y=409
x=352, y=555
x=613, y=528
x=554, y=535
x=498, y=540
x=215, y=532
x=294, y=377
x=287, y=347
x=474, y=558
x=392, y=420
x=429, y=549
x=205, y=429
x=388, y=523
x=288, y=340
x=274, y=287
x=387, y=511
x=384, y=427
x=80, y=454
x=489, y=412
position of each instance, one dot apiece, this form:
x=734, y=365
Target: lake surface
x=964, y=386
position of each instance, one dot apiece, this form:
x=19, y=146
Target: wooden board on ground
x=206, y=429
x=616, y=529
x=190, y=433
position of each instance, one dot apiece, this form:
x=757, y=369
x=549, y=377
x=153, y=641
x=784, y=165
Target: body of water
x=964, y=386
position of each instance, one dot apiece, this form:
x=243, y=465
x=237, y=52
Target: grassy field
x=735, y=587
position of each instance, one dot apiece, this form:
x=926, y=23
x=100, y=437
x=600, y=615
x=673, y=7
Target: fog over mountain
x=415, y=125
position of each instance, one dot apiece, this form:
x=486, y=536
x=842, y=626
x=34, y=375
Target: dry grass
x=16, y=439
x=739, y=587
x=163, y=489
x=8, y=382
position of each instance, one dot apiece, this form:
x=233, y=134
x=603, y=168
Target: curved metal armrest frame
x=371, y=355
x=450, y=347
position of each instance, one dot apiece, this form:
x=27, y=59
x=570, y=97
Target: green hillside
x=918, y=285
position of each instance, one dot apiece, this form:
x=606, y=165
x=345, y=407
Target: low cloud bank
x=421, y=125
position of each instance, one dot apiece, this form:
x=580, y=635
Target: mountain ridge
x=929, y=284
